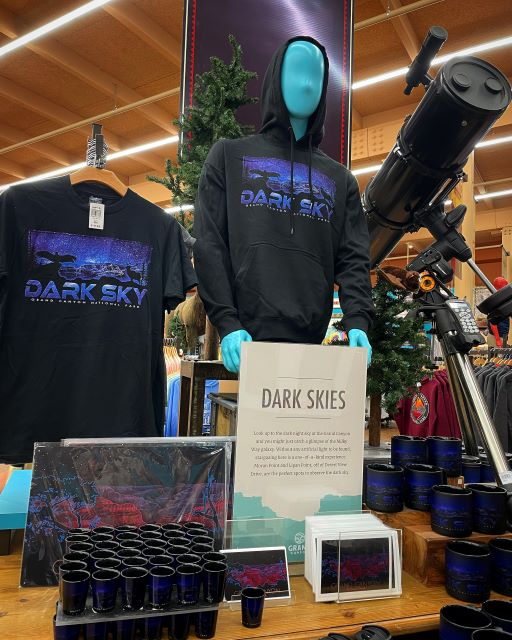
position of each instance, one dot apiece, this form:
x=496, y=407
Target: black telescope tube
x=466, y=98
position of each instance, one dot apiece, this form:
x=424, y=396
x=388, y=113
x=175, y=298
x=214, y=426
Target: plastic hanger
x=103, y=176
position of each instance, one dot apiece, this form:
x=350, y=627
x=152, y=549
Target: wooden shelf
x=28, y=613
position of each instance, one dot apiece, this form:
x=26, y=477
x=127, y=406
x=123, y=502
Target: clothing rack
x=500, y=351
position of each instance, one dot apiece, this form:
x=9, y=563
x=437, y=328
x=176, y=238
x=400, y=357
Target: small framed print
x=356, y=566
x=264, y=567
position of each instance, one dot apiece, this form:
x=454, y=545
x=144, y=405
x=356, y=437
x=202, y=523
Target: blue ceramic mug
x=467, y=566
x=385, y=488
x=419, y=480
x=408, y=450
x=500, y=612
x=486, y=472
x=458, y=622
x=489, y=508
x=446, y=453
x=471, y=468
x=451, y=511
x=501, y=565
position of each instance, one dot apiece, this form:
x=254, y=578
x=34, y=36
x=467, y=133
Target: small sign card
x=352, y=558
x=300, y=434
x=264, y=567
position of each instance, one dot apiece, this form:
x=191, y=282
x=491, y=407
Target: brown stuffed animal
x=400, y=278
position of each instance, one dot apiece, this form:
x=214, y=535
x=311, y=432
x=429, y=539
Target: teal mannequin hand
x=358, y=338
x=230, y=346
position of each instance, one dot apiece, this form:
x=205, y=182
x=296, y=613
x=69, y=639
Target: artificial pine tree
x=400, y=352
x=218, y=93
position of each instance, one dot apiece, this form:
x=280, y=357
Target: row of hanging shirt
x=495, y=380
x=430, y=411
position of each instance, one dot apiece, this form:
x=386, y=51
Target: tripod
x=455, y=327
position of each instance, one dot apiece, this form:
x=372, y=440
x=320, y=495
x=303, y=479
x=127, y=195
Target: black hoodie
x=277, y=223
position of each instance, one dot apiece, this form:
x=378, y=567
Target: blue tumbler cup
x=471, y=469
x=501, y=565
x=446, y=453
x=451, y=511
x=489, y=508
x=104, y=584
x=253, y=601
x=459, y=622
x=188, y=579
x=419, y=480
x=408, y=450
x=385, y=488
x=500, y=612
x=74, y=586
x=468, y=566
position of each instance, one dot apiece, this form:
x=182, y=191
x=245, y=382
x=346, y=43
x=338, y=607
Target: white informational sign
x=300, y=434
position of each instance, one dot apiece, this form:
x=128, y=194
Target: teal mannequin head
x=302, y=78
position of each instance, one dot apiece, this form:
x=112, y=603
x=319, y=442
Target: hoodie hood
x=275, y=117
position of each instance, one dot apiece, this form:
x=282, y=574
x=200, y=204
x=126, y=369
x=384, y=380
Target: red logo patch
x=420, y=408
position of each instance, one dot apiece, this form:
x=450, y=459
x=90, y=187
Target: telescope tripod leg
x=473, y=414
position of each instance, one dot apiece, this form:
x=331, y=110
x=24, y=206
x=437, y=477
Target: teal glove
x=358, y=338
x=230, y=346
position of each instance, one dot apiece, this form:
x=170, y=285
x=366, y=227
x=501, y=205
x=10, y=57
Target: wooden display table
x=27, y=613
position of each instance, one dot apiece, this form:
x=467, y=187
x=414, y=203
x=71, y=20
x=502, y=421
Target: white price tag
x=96, y=215
x=506, y=477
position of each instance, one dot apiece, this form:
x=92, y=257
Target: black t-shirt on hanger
x=81, y=314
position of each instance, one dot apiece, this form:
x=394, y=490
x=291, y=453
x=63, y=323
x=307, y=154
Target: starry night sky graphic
x=275, y=174
x=88, y=250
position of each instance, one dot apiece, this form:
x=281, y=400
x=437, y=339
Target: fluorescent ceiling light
x=183, y=207
x=396, y=73
x=372, y=169
x=495, y=194
x=51, y=26
x=111, y=156
x=142, y=147
x=492, y=141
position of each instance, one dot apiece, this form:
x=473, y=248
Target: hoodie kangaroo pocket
x=282, y=284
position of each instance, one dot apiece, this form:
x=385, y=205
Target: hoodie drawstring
x=292, y=145
x=310, y=171
x=310, y=162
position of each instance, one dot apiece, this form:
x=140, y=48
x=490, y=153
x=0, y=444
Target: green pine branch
x=395, y=370
x=218, y=94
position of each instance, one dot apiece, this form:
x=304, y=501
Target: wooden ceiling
x=131, y=49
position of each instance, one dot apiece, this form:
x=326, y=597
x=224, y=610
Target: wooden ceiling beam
x=78, y=66
x=51, y=110
x=94, y=76
x=8, y=24
x=44, y=148
x=479, y=180
x=357, y=120
x=146, y=29
x=37, y=103
x=12, y=169
x=403, y=28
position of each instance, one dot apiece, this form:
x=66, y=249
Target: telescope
x=460, y=105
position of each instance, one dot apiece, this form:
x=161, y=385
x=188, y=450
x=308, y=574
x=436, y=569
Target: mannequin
x=294, y=109
x=301, y=82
